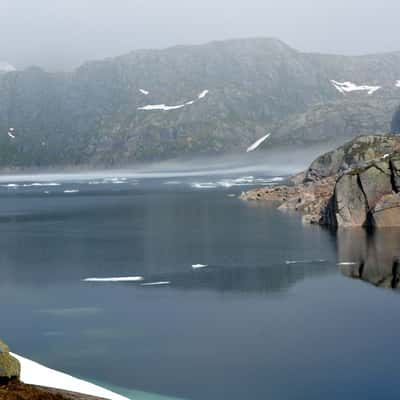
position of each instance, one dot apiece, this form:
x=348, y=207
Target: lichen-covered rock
x=9, y=366
x=357, y=152
x=376, y=182
x=349, y=203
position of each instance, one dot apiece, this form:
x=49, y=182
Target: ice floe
x=162, y=283
x=347, y=263
x=199, y=266
x=11, y=135
x=397, y=84
x=258, y=143
x=34, y=184
x=242, y=181
x=70, y=191
x=348, y=87
x=145, y=92
x=162, y=107
x=172, y=183
x=33, y=373
x=290, y=262
x=116, y=279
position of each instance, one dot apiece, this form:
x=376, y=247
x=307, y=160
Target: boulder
x=375, y=182
x=395, y=168
x=386, y=212
x=9, y=366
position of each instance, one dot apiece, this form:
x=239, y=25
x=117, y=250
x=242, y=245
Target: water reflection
x=370, y=256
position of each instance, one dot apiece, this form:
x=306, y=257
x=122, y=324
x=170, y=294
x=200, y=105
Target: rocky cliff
x=356, y=185
x=214, y=98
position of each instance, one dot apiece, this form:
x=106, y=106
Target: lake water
x=272, y=316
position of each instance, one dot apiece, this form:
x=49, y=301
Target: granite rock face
x=356, y=185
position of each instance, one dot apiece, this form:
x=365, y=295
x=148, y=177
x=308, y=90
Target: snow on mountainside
x=347, y=87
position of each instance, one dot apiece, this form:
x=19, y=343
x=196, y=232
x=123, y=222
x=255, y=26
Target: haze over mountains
x=215, y=98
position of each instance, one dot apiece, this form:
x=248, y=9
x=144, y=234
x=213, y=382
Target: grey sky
x=60, y=34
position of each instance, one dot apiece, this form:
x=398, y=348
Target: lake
x=271, y=315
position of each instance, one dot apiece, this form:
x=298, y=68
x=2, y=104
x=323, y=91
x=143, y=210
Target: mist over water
x=277, y=162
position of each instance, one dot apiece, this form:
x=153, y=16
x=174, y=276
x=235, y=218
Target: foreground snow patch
x=258, y=143
x=33, y=373
x=348, y=87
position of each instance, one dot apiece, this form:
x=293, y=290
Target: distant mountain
x=214, y=98
x=6, y=67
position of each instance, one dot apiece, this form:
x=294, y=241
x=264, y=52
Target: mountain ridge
x=109, y=112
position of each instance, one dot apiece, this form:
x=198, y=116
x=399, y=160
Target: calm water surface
x=272, y=317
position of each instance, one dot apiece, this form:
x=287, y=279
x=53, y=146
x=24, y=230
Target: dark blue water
x=250, y=326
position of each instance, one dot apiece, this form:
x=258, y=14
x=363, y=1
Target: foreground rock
x=354, y=185
x=10, y=368
x=16, y=390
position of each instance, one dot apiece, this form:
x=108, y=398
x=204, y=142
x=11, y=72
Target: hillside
x=213, y=98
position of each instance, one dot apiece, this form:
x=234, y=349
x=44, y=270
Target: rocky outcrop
x=9, y=366
x=356, y=185
x=367, y=196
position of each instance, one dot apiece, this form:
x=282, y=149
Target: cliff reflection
x=371, y=257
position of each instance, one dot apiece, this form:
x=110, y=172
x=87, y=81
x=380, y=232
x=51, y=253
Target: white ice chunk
x=33, y=373
x=347, y=263
x=199, y=266
x=258, y=143
x=162, y=283
x=71, y=191
x=145, y=92
x=161, y=107
x=9, y=133
x=116, y=279
x=397, y=84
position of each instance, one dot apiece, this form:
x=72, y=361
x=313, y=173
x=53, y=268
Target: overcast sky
x=61, y=34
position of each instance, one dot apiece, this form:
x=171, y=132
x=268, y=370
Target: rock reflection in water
x=373, y=257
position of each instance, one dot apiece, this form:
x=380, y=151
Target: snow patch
x=145, y=92
x=33, y=373
x=164, y=107
x=397, y=84
x=258, y=143
x=71, y=191
x=348, y=87
x=203, y=94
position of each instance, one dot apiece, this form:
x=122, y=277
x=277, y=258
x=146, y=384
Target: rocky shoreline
x=356, y=185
